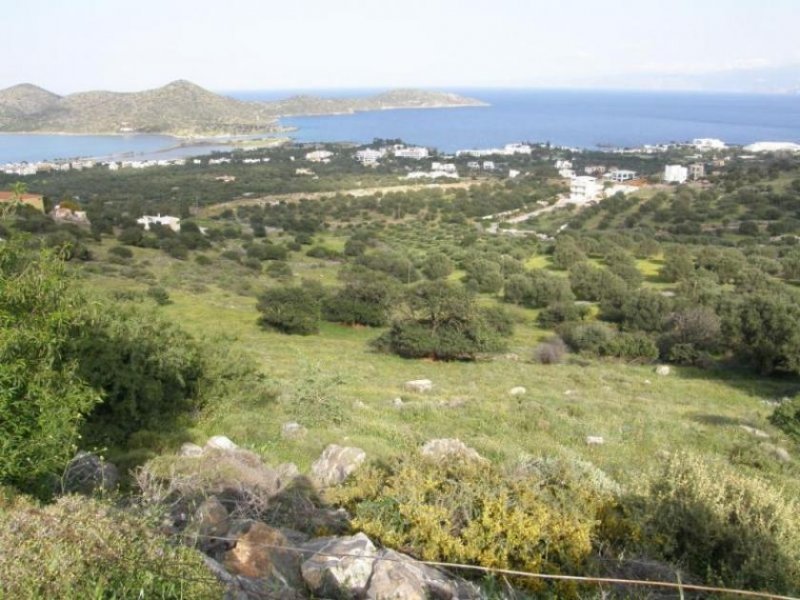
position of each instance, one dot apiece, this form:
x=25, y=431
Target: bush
x=324, y=253
x=366, y=299
x=690, y=335
x=591, y=338
x=537, y=289
x=293, y=310
x=475, y=513
x=42, y=399
x=121, y=252
x=724, y=526
x=787, y=417
x=203, y=260
x=561, y=312
x=159, y=295
x=633, y=346
x=280, y=270
x=81, y=548
x=550, y=352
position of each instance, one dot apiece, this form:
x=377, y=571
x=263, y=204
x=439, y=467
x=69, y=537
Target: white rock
x=329, y=575
x=663, y=370
x=220, y=442
x=419, y=385
x=292, y=431
x=448, y=448
x=517, y=391
x=754, y=432
x=398, y=402
x=780, y=454
x=336, y=464
x=190, y=450
x=595, y=440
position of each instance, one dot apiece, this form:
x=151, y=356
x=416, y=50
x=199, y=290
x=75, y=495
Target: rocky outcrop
x=420, y=386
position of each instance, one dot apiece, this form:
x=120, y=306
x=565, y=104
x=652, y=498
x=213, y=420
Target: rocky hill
x=184, y=109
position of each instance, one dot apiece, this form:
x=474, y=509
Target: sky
x=225, y=45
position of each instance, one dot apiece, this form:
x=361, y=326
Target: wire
x=515, y=573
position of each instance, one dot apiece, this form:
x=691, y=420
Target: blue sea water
x=585, y=119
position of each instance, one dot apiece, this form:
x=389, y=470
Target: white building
x=759, y=147
x=513, y=173
x=620, y=175
x=584, y=189
x=488, y=165
x=708, y=144
x=676, y=174
x=173, y=223
x=449, y=168
x=697, y=171
x=319, y=156
x=517, y=149
x=369, y=156
x=416, y=153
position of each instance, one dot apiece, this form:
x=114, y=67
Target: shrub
x=724, y=526
x=475, y=513
x=121, y=252
x=537, y=289
x=633, y=346
x=365, y=299
x=561, y=312
x=589, y=338
x=484, y=276
x=323, y=252
x=81, y=548
x=203, y=260
x=437, y=266
x=280, y=270
x=42, y=400
x=159, y=295
x=566, y=253
x=290, y=310
x=550, y=352
x=787, y=417
x=690, y=335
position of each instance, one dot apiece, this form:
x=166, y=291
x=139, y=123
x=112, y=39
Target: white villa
x=417, y=153
x=369, y=157
x=620, y=175
x=676, y=174
x=319, y=156
x=173, y=223
x=584, y=189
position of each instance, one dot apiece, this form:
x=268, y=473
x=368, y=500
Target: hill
x=184, y=109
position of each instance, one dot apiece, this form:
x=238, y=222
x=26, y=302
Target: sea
x=572, y=118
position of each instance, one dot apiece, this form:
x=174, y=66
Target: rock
x=595, y=440
x=647, y=382
x=513, y=357
x=220, y=442
x=517, y=391
x=419, y=386
x=329, y=575
x=398, y=402
x=336, y=464
x=293, y=431
x=755, y=432
x=212, y=521
x=663, y=370
x=446, y=449
x=264, y=552
x=190, y=450
x=359, y=405
x=780, y=454
x=454, y=402
x=569, y=392
x=87, y=473
x=287, y=472
x=400, y=577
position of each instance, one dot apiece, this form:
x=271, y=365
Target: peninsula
x=184, y=109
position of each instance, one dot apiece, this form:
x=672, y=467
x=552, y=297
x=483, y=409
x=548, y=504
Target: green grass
x=351, y=388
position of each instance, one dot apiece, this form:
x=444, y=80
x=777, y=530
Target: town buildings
x=676, y=174
x=174, y=223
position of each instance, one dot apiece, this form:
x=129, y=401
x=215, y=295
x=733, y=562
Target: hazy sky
x=71, y=45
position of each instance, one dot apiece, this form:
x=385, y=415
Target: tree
x=293, y=309
x=763, y=329
x=437, y=266
x=645, y=311
x=566, y=253
x=367, y=298
x=678, y=264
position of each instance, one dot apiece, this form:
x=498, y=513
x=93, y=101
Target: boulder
x=292, y=431
x=595, y=440
x=264, y=552
x=754, y=432
x=190, y=450
x=87, y=473
x=212, y=521
x=778, y=453
x=220, y=442
x=663, y=370
x=517, y=391
x=398, y=402
x=419, y=386
x=399, y=577
x=447, y=448
x=339, y=567
x=336, y=464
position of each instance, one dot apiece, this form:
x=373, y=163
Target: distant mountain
x=184, y=109
x=754, y=80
